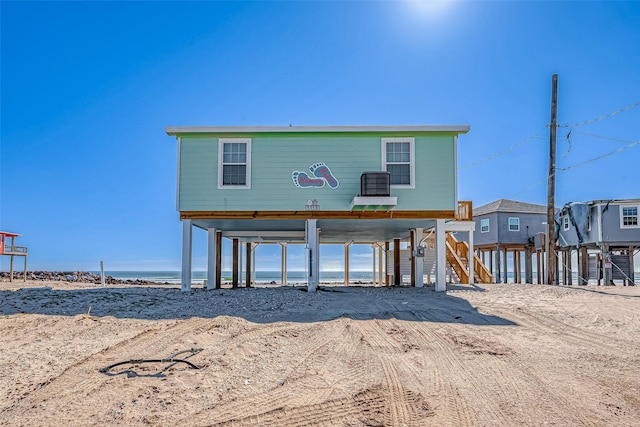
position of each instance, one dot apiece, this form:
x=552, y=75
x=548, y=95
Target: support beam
x=346, y=263
x=397, y=277
x=283, y=263
x=419, y=261
x=380, y=265
x=528, y=265
x=218, y=259
x=632, y=279
x=441, y=257
x=496, y=278
x=498, y=274
x=386, y=256
x=471, y=260
x=606, y=265
x=373, y=258
x=312, y=253
x=187, y=232
x=412, y=257
x=211, y=258
x=249, y=257
x=583, y=266
x=506, y=268
x=234, y=271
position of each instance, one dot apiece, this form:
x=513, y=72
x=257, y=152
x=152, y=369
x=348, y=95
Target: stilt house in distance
x=507, y=227
x=335, y=184
x=606, y=235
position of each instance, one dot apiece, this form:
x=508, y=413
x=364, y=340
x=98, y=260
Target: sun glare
x=429, y=7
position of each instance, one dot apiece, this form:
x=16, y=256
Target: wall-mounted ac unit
x=375, y=184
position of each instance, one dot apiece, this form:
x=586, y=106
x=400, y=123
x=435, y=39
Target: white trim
x=637, y=215
x=178, y=176
x=412, y=159
x=175, y=130
x=221, y=142
x=455, y=170
x=488, y=225
x=509, y=223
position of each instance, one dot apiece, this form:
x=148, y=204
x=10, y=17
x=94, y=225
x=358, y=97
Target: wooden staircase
x=457, y=258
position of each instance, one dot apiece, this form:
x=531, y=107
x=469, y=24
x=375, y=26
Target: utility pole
x=551, y=185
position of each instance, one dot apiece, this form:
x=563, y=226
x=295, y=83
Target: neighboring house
x=316, y=184
x=606, y=234
x=508, y=227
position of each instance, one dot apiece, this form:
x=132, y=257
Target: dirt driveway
x=499, y=355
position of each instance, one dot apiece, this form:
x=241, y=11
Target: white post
x=186, y=255
x=380, y=278
x=418, y=260
x=472, y=259
x=284, y=264
x=312, y=253
x=211, y=258
x=441, y=257
x=102, y=273
x=373, y=247
x=346, y=263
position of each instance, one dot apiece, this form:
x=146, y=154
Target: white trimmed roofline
x=179, y=130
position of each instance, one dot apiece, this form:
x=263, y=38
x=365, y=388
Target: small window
x=565, y=223
x=484, y=225
x=234, y=163
x=628, y=216
x=398, y=159
x=514, y=224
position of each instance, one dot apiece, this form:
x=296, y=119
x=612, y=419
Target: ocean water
x=293, y=277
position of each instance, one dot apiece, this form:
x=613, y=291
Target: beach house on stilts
x=336, y=184
x=605, y=236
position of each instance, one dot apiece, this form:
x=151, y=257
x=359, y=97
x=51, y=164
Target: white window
x=234, y=163
x=629, y=216
x=484, y=225
x=514, y=224
x=398, y=159
x=565, y=223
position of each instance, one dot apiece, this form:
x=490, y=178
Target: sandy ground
x=497, y=355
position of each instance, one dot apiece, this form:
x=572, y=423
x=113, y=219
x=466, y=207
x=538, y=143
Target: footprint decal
x=322, y=171
x=302, y=180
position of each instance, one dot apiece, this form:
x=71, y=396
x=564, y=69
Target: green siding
x=275, y=157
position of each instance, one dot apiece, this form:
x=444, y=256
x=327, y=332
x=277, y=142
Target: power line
x=606, y=116
x=603, y=137
x=505, y=151
x=600, y=157
x=537, y=183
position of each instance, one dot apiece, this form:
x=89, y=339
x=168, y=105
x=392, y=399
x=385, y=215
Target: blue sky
x=88, y=173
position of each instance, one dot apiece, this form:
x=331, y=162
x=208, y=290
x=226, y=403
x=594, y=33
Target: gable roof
x=504, y=205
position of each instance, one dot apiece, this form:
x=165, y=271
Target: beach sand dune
x=499, y=355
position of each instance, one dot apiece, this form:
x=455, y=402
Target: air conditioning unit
x=375, y=184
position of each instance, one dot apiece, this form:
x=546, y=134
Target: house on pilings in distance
x=509, y=230
x=606, y=236
x=315, y=185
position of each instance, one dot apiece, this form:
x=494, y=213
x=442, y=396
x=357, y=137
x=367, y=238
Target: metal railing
x=15, y=250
